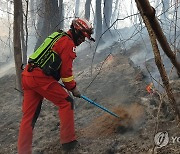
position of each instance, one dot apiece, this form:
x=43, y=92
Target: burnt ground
x=120, y=87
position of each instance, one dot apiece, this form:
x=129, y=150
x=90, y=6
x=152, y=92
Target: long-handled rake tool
x=99, y=106
x=96, y=104
x=123, y=126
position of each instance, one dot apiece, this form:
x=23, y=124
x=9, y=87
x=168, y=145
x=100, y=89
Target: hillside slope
x=121, y=88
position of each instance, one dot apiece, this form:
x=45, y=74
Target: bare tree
x=17, y=42
x=107, y=11
x=148, y=17
x=49, y=19
x=115, y=12
x=10, y=29
x=164, y=9
x=150, y=13
x=24, y=32
x=61, y=14
x=77, y=8
x=98, y=20
x=87, y=9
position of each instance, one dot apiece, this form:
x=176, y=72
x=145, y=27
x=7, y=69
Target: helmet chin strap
x=74, y=35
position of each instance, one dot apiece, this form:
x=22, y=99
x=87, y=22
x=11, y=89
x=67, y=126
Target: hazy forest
x=133, y=69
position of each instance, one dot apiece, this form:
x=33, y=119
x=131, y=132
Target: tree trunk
x=87, y=9
x=165, y=7
x=115, y=12
x=159, y=63
x=23, y=30
x=149, y=12
x=9, y=33
x=17, y=43
x=98, y=21
x=40, y=23
x=61, y=15
x=77, y=8
x=107, y=14
x=49, y=21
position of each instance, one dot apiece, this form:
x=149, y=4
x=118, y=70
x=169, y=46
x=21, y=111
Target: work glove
x=76, y=92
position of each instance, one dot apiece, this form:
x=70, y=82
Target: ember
x=149, y=88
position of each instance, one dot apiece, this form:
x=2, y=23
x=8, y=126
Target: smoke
x=137, y=114
x=7, y=69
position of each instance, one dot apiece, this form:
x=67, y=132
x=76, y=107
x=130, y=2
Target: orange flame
x=149, y=88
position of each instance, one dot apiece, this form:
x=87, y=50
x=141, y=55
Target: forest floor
x=119, y=86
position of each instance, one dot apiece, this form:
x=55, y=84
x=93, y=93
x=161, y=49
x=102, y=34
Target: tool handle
x=96, y=104
x=101, y=107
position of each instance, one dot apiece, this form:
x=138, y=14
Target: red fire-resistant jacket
x=65, y=48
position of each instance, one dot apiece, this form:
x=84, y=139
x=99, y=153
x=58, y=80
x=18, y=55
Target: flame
x=149, y=88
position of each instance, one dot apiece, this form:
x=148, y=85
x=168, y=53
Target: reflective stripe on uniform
x=69, y=79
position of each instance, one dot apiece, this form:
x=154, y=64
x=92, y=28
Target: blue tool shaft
x=101, y=107
x=96, y=104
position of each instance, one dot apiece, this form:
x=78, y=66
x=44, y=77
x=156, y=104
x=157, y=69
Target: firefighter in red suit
x=37, y=85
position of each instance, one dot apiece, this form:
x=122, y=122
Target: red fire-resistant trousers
x=35, y=89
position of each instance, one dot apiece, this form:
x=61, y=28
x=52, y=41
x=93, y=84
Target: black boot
x=70, y=145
